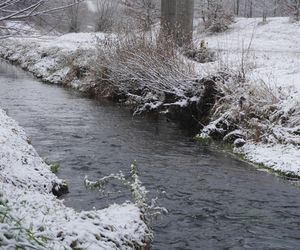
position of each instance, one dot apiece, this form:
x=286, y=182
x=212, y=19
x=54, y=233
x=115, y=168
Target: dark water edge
x=214, y=200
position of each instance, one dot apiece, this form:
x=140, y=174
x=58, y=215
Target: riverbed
x=214, y=201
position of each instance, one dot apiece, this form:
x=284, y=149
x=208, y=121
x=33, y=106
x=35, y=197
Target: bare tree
x=184, y=22
x=177, y=20
x=145, y=12
x=250, y=8
x=264, y=8
x=105, y=15
x=292, y=7
x=237, y=7
x=168, y=18
x=217, y=15
x=21, y=10
x=73, y=16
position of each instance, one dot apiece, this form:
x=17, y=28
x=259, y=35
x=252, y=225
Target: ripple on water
x=215, y=202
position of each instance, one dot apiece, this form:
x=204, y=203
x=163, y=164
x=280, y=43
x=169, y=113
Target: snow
x=32, y=216
x=274, y=49
x=53, y=58
x=28, y=169
x=271, y=55
x=17, y=28
x=281, y=158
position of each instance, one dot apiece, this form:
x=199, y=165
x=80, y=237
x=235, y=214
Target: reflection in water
x=215, y=202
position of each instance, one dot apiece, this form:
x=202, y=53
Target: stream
x=214, y=200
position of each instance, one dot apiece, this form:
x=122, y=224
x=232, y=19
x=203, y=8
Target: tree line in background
x=216, y=14
x=176, y=16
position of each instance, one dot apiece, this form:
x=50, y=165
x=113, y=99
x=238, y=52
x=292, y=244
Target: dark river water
x=214, y=201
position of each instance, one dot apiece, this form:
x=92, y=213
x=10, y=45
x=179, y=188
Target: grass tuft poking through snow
x=150, y=209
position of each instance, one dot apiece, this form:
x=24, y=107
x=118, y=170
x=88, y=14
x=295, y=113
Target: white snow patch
x=20, y=165
x=274, y=50
x=283, y=158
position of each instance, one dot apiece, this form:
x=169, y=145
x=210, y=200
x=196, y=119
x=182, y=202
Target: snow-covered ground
x=281, y=158
x=56, y=59
x=31, y=217
x=271, y=55
x=272, y=50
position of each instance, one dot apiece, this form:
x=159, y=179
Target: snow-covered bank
x=280, y=158
x=263, y=108
x=31, y=217
x=65, y=60
x=19, y=163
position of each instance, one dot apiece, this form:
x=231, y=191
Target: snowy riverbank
x=64, y=60
x=266, y=104
x=33, y=218
x=264, y=107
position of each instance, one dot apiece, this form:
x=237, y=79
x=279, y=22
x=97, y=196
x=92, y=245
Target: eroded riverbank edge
x=68, y=64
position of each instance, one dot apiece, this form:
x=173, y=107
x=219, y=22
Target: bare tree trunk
x=177, y=20
x=264, y=14
x=237, y=7
x=276, y=7
x=251, y=9
x=297, y=15
x=184, y=22
x=74, y=17
x=168, y=18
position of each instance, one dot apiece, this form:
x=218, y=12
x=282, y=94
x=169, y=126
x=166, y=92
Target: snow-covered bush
x=145, y=70
x=264, y=113
x=105, y=15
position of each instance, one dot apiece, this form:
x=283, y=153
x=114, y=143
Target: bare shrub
x=144, y=12
x=105, y=15
x=34, y=11
x=266, y=113
x=73, y=16
x=216, y=16
x=292, y=8
x=145, y=69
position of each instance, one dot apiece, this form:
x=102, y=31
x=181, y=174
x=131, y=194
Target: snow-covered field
x=272, y=50
x=269, y=53
x=31, y=217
